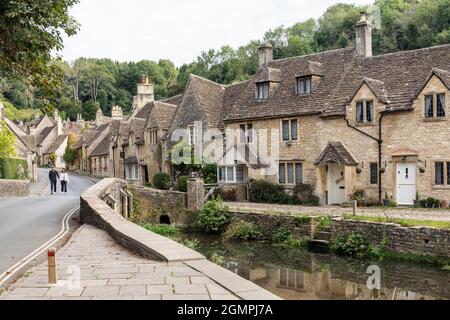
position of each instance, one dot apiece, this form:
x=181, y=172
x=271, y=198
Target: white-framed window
x=246, y=133
x=364, y=111
x=289, y=129
x=303, y=86
x=232, y=174
x=192, y=134
x=442, y=173
x=290, y=172
x=132, y=172
x=153, y=133
x=435, y=105
x=262, y=90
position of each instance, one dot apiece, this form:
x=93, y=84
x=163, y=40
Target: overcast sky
x=132, y=30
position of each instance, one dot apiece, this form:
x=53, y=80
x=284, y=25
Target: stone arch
x=164, y=219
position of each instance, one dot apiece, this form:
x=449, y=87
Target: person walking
x=64, y=180
x=53, y=176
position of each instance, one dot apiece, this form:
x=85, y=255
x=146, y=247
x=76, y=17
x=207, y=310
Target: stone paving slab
x=109, y=271
x=404, y=213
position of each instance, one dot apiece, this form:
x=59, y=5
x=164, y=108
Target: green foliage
x=31, y=30
x=354, y=245
x=214, y=216
x=7, y=140
x=161, y=181
x=266, y=192
x=303, y=219
x=52, y=158
x=191, y=243
x=284, y=238
x=70, y=155
x=163, y=229
x=182, y=184
x=304, y=195
x=242, y=230
x=323, y=223
x=15, y=169
x=281, y=235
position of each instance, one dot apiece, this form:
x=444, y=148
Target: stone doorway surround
x=335, y=153
x=403, y=156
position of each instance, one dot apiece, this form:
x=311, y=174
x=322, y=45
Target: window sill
x=368, y=124
x=434, y=119
x=443, y=187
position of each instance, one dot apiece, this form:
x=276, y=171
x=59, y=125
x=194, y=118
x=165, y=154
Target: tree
x=94, y=74
x=30, y=30
x=70, y=155
x=7, y=139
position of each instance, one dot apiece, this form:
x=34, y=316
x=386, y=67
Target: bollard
x=354, y=205
x=51, y=255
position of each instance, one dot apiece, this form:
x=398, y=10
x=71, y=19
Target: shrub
x=163, y=229
x=353, y=244
x=281, y=235
x=304, y=195
x=182, y=184
x=161, y=181
x=303, y=219
x=265, y=192
x=213, y=216
x=242, y=230
x=226, y=195
x=14, y=169
x=323, y=222
x=433, y=203
x=191, y=243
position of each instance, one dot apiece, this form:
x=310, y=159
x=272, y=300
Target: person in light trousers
x=64, y=180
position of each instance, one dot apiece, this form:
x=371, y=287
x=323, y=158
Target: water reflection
x=305, y=275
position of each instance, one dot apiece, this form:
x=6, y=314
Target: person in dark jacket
x=53, y=176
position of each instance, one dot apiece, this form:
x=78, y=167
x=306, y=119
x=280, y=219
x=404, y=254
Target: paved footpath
x=404, y=213
x=109, y=271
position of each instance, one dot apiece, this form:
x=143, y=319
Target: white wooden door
x=336, y=184
x=406, y=183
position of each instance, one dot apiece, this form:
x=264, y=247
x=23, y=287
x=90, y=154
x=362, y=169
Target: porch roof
x=336, y=152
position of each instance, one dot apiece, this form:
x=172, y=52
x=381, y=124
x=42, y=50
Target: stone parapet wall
x=155, y=203
x=415, y=240
x=14, y=188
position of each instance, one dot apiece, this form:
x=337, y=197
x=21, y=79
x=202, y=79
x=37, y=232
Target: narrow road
x=28, y=223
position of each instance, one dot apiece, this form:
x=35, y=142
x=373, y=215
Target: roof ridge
x=207, y=80
x=314, y=54
x=410, y=51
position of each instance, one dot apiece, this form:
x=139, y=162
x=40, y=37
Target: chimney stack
x=145, y=93
x=363, y=37
x=116, y=113
x=99, y=117
x=265, y=54
x=32, y=131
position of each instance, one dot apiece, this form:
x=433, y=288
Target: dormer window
x=262, y=90
x=303, y=86
x=153, y=136
x=364, y=111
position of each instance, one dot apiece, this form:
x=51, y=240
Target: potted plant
x=358, y=195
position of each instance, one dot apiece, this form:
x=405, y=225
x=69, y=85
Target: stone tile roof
x=56, y=143
x=210, y=96
x=102, y=148
x=44, y=134
x=144, y=113
x=176, y=100
x=138, y=128
x=336, y=152
x=164, y=113
x=394, y=78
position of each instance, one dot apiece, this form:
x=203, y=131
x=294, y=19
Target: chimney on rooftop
x=145, y=93
x=363, y=36
x=116, y=113
x=265, y=54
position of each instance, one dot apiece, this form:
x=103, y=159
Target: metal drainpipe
x=380, y=142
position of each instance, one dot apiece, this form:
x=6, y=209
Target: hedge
x=15, y=169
